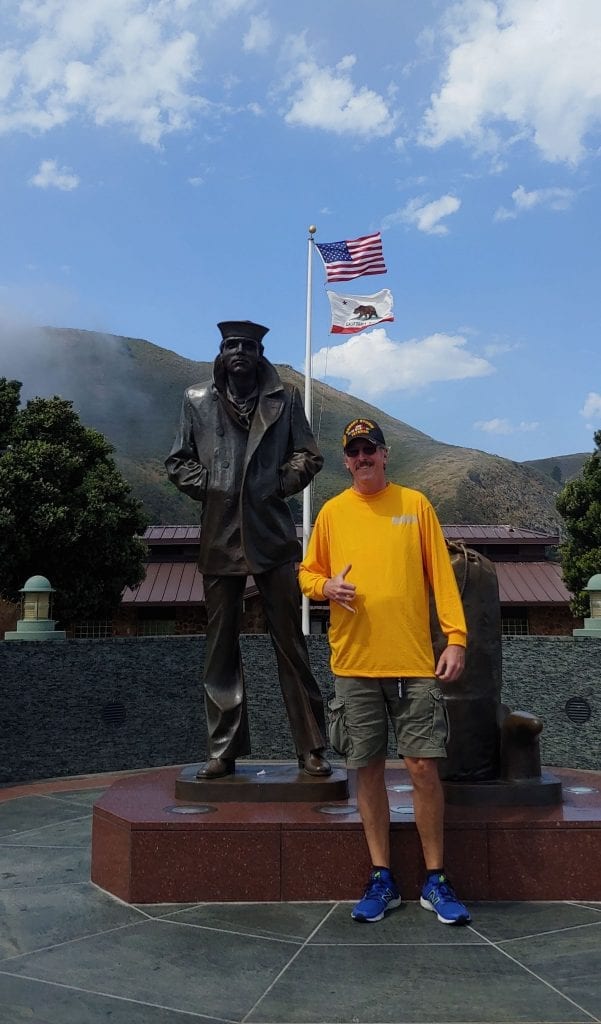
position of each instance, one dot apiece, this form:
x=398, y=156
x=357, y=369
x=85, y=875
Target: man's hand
x=335, y=589
x=451, y=663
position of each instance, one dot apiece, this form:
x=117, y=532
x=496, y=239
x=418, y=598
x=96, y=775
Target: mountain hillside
x=561, y=468
x=131, y=390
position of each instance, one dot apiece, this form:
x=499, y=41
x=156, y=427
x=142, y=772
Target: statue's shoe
x=314, y=763
x=216, y=768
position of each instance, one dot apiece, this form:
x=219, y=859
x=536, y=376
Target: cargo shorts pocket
x=340, y=740
x=441, y=726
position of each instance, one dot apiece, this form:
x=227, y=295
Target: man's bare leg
x=428, y=806
x=372, y=800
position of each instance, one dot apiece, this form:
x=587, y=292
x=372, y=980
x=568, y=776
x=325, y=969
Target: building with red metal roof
x=534, y=598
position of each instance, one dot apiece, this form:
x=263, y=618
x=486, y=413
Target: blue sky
x=161, y=164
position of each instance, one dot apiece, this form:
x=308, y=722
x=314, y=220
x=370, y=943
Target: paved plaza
x=72, y=954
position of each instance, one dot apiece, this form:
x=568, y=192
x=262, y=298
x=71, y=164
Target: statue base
x=544, y=791
x=150, y=847
x=262, y=783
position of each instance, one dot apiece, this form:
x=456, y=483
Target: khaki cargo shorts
x=358, y=718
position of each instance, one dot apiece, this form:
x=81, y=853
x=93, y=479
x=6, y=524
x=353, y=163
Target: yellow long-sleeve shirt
x=397, y=551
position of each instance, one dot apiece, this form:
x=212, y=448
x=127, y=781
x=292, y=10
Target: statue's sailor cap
x=242, y=329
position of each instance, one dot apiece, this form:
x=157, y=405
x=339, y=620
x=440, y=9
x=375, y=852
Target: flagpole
x=308, y=413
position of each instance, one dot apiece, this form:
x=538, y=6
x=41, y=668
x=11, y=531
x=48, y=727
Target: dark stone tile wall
x=84, y=706
x=541, y=674
x=80, y=706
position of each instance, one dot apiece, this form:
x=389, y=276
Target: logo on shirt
x=402, y=520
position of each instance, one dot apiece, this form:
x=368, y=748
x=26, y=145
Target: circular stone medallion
x=197, y=809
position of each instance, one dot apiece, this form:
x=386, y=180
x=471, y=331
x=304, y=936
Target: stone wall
x=552, y=620
x=9, y=613
x=541, y=674
x=107, y=705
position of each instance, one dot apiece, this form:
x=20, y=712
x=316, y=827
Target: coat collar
x=269, y=379
x=269, y=407
x=270, y=402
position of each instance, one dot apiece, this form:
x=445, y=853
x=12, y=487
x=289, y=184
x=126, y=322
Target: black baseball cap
x=368, y=430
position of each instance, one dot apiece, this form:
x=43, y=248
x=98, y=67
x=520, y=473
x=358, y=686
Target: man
x=243, y=447
x=375, y=552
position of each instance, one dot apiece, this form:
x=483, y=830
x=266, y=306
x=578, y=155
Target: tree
x=580, y=505
x=65, y=510
x=10, y=391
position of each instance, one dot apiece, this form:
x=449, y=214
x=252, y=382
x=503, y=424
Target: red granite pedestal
x=149, y=847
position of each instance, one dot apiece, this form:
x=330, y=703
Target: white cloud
x=591, y=410
x=519, y=69
x=551, y=198
x=556, y=198
x=260, y=34
x=374, y=364
x=50, y=175
x=499, y=348
x=327, y=98
x=503, y=426
x=130, y=63
x=196, y=181
x=425, y=216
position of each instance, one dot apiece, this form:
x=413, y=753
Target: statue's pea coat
x=242, y=478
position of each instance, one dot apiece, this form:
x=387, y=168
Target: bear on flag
x=354, y=313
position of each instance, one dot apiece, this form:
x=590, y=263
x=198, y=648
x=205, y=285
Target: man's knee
x=423, y=771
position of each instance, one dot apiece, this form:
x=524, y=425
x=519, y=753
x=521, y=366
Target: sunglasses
x=360, y=449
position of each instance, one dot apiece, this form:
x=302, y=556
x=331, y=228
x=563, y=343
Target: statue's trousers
x=225, y=697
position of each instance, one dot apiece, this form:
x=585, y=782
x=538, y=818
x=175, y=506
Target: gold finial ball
x=312, y=229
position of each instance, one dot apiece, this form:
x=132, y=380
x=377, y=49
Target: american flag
x=357, y=257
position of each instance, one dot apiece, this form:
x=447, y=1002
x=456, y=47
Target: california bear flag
x=354, y=313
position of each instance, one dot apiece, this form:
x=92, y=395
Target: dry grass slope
x=131, y=390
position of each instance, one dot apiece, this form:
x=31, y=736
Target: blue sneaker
x=438, y=895
x=381, y=894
